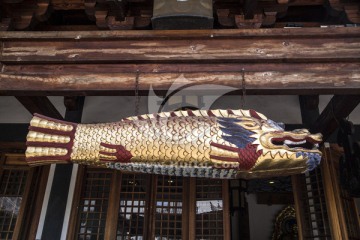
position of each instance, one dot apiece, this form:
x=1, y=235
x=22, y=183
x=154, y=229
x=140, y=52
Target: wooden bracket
x=241, y=22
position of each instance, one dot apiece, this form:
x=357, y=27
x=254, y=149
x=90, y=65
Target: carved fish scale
x=215, y=144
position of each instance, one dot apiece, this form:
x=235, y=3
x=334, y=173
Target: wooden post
x=226, y=209
x=192, y=209
x=333, y=201
x=295, y=179
x=113, y=207
x=71, y=234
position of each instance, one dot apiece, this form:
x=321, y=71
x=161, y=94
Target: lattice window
x=146, y=206
x=11, y=191
x=132, y=207
x=93, y=204
x=168, y=208
x=313, y=202
x=209, y=209
x=350, y=213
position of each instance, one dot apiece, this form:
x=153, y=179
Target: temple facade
x=295, y=61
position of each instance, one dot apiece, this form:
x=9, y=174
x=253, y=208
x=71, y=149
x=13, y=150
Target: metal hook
x=243, y=85
x=137, y=97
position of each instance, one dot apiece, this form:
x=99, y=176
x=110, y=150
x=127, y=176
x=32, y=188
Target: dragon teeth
x=288, y=142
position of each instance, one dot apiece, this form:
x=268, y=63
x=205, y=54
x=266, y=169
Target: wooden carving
x=213, y=144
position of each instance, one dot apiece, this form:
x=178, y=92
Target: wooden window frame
x=188, y=213
x=226, y=209
x=332, y=193
x=32, y=198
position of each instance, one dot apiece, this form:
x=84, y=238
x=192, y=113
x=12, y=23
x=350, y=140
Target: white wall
x=261, y=218
x=107, y=109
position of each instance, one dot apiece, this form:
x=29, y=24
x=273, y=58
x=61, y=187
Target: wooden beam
x=181, y=34
x=339, y=107
x=284, y=79
x=71, y=63
x=39, y=104
x=309, y=107
x=105, y=63
x=241, y=45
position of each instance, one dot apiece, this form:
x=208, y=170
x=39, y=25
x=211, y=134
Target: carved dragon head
x=276, y=149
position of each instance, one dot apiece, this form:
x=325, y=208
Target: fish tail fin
x=49, y=141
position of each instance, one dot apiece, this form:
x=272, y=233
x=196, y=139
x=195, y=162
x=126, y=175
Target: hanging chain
x=243, y=85
x=137, y=97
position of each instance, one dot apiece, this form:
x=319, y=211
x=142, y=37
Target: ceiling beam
x=339, y=107
x=286, y=79
x=39, y=104
x=205, y=46
x=106, y=63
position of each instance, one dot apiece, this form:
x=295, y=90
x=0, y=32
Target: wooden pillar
x=113, y=207
x=332, y=196
x=295, y=179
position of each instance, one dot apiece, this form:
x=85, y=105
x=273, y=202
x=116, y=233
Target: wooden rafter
x=309, y=107
x=39, y=104
x=339, y=107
